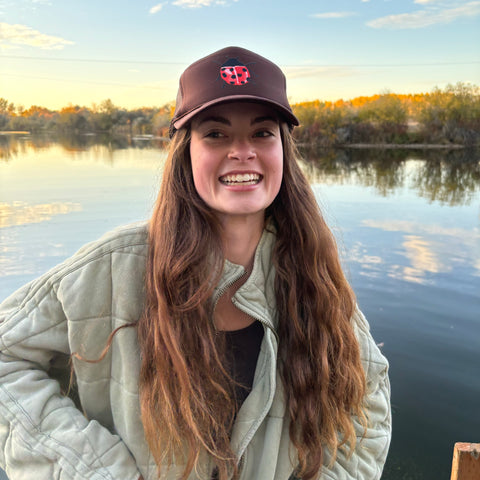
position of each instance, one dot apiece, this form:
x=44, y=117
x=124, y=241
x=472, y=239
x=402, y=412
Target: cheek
x=202, y=172
x=278, y=182
x=198, y=178
x=196, y=161
x=278, y=173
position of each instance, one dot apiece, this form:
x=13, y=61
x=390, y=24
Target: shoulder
x=106, y=256
x=132, y=237
x=119, y=254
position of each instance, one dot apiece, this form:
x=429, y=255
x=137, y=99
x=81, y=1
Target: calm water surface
x=408, y=226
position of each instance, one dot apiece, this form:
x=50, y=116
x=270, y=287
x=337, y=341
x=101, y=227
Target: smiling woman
x=219, y=341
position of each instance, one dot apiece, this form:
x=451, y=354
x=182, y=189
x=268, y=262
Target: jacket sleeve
x=42, y=434
x=368, y=459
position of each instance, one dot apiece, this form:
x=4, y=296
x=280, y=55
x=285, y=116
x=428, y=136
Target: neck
x=240, y=237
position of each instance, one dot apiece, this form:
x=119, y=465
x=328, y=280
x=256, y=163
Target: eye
x=263, y=133
x=214, y=134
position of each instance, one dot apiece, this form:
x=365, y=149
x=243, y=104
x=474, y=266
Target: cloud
x=13, y=35
x=327, y=15
x=23, y=5
x=157, y=8
x=190, y=4
x=424, y=18
x=197, y=3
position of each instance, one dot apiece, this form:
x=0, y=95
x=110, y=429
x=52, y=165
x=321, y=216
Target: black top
x=241, y=354
x=242, y=349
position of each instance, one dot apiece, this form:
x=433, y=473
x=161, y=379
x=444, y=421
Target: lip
x=240, y=172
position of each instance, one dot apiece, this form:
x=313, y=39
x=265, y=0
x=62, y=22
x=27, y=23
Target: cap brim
x=287, y=114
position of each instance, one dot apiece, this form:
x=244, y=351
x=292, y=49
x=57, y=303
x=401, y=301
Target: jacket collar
x=256, y=296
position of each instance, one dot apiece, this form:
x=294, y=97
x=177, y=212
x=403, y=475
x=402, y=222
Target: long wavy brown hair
x=186, y=397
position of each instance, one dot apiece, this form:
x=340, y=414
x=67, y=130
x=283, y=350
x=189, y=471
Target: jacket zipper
x=241, y=463
x=222, y=290
x=219, y=293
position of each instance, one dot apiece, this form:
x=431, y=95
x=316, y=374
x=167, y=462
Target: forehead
x=237, y=110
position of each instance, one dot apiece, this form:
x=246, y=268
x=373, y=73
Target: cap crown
x=230, y=74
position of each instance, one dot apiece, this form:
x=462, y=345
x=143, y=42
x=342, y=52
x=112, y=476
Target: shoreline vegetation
x=406, y=146
x=446, y=118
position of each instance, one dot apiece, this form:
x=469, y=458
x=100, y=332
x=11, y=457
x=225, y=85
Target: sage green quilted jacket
x=96, y=433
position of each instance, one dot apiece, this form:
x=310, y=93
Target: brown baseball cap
x=230, y=74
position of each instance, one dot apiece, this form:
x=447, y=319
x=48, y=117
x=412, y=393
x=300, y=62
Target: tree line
x=442, y=116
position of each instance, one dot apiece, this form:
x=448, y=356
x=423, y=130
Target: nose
x=242, y=149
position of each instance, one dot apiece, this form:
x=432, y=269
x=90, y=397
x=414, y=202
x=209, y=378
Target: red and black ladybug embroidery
x=234, y=72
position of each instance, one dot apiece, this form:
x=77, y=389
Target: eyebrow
x=225, y=121
x=265, y=118
x=213, y=118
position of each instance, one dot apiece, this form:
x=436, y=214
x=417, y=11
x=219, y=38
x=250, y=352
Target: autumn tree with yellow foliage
x=448, y=116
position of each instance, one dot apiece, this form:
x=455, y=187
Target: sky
x=59, y=52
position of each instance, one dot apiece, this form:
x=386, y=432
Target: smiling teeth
x=243, y=178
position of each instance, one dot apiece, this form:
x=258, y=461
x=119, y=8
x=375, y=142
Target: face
x=237, y=158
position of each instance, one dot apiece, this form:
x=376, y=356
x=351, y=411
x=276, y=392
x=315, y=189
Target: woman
x=220, y=340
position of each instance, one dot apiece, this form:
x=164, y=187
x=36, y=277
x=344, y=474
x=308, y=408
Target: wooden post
x=466, y=461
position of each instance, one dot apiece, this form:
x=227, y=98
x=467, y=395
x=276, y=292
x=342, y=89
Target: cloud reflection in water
x=428, y=249
x=21, y=213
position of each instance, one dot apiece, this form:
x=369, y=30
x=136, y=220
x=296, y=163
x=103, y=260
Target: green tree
x=73, y=119
x=387, y=108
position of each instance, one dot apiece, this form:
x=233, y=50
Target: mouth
x=241, y=179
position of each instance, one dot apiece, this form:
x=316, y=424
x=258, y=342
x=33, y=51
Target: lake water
x=408, y=226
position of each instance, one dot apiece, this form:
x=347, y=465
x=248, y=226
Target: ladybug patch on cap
x=234, y=72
